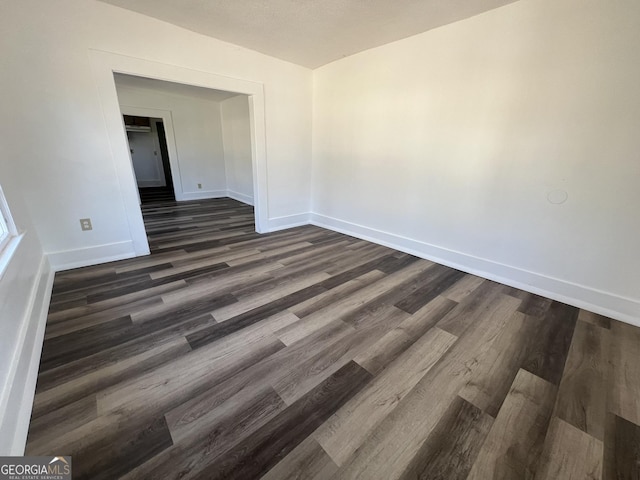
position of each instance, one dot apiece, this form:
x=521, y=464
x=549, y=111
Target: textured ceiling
x=309, y=32
x=171, y=88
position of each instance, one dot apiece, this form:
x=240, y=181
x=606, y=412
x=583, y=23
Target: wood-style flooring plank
x=306, y=353
x=262, y=450
x=624, y=387
x=198, y=444
x=350, y=303
x=451, y=449
x=497, y=368
x=475, y=306
x=345, y=431
x=532, y=305
x=98, y=377
x=379, y=355
x=190, y=374
x=463, y=288
x=66, y=418
x=392, y=445
x=103, y=312
x=244, y=320
x=307, y=461
x=514, y=443
x=266, y=296
x=621, y=449
x=108, y=459
x=570, y=453
x=440, y=280
x=308, y=374
x=594, y=319
x=258, y=376
x=335, y=293
x=582, y=396
x=357, y=263
x=551, y=345
x=225, y=283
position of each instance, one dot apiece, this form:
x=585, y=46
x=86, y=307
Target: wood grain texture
x=395, y=441
x=594, y=319
x=343, y=433
x=477, y=305
x=376, y=358
x=570, y=453
x=582, y=396
x=101, y=376
x=195, y=448
x=308, y=374
x=452, y=447
x=462, y=288
x=549, y=353
x=190, y=374
x=230, y=354
x=513, y=446
x=624, y=390
x=266, y=447
x=497, y=368
x=308, y=460
x=622, y=449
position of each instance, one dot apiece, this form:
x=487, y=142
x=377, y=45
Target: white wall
x=60, y=129
x=236, y=136
x=198, y=137
x=449, y=143
x=146, y=157
x=25, y=290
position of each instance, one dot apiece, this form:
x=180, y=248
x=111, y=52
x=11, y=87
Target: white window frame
x=9, y=237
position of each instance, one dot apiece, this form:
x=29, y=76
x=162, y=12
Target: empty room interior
x=318, y=240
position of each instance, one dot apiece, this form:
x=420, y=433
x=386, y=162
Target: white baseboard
x=581, y=296
x=241, y=197
x=19, y=402
x=83, y=257
x=288, y=221
x=200, y=195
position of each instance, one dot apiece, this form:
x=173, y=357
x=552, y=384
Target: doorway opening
x=150, y=158
x=107, y=67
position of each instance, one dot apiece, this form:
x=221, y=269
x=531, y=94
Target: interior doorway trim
x=105, y=64
x=167, y=121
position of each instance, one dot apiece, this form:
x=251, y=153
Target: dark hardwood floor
x=310, y=354
x=156, y=194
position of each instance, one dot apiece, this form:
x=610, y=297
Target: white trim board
x=620, y=308
x=17, y=406
x=241, y=197
x=202, y=194
x=83, y=257
x=170, y=137
x=288, y=221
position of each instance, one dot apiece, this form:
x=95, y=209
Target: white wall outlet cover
x=85, y=224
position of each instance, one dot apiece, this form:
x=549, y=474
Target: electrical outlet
x=85, y=224
x=199, y=185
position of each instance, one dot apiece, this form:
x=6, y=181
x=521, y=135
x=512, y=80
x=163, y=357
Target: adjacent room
x=321, y=239
x=204, y=153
